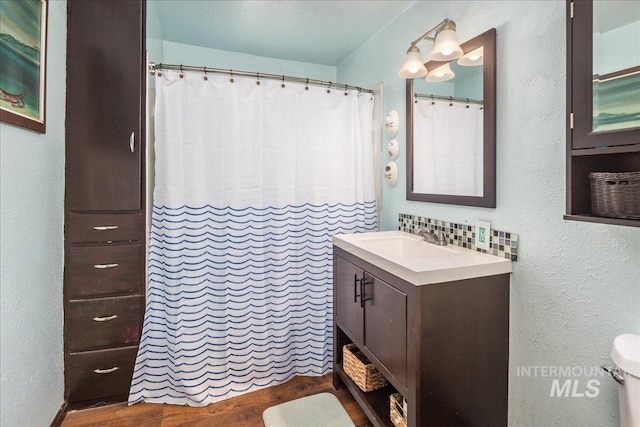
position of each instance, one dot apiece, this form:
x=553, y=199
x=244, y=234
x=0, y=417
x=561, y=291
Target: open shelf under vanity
x=374, y=403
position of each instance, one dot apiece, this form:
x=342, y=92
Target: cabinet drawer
x=100, y=270
x=103, y=322
x=100, y=374
x=84, y=228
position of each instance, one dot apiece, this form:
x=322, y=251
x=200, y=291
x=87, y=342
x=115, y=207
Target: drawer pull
x=105, y=319
x=106, y=371
x=105, y=227
x=103, y=266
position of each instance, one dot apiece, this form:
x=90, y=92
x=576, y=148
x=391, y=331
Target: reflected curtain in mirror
x=450, y=152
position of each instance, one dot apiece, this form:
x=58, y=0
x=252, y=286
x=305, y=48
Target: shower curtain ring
x=258, y=76
x=231, y=72
x=205, y=73
x=282, y=81
x=451, y=101
x=467, y=103
x=181, y=71
x=346, y=90
x=329, y=88
x=306, y=87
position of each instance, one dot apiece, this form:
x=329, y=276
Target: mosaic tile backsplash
x=502, y=243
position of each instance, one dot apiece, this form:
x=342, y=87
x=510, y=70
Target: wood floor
x=245, y=410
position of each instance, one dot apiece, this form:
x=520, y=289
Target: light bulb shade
x=440, y=74
x=446, y=46
x=472, y=58
x=413, y=66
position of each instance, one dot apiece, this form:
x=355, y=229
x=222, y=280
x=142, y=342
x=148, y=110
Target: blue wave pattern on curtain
x=250, y=283
x=251, y=182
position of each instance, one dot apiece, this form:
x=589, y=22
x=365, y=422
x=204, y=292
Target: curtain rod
x=153, y=67
x=448, y=98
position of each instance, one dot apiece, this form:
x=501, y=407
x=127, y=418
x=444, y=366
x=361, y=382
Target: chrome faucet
x=430, y=236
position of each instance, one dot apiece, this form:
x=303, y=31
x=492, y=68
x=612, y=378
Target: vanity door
x=386, y=325
x=348, y=309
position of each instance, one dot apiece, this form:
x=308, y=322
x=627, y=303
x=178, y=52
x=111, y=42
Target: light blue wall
x=617, y=49
x=32, y=193
x=176, y=53
x=154, y=33
x=576, y=285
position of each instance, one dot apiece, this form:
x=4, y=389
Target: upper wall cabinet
x=105, y=76
x=603, y=105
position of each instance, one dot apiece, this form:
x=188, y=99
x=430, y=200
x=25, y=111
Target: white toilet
x=626, y=355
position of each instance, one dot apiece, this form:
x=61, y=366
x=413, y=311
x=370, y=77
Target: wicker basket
x=615, y=195
x=398, y=417
x=360, y=370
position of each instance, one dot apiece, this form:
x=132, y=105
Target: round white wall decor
x=392, y=123
x=393, y=149
x=391, y=174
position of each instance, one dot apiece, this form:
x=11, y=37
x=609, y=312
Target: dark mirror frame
x=488, y=199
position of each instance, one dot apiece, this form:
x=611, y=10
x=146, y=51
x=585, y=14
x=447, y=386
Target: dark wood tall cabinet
x=104, y=272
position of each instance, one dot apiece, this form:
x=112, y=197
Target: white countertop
x=448, y=264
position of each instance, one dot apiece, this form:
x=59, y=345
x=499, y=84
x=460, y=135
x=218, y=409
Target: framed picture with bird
x=23, y=43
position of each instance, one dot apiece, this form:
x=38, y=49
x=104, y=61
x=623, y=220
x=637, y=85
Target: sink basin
x=406, y=247
x=411, y=258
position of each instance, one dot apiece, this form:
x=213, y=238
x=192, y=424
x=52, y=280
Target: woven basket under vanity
x=396, y=411
x=615, y=195
x=361, y=370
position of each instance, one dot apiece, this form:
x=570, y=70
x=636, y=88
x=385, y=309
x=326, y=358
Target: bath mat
x=318, y=410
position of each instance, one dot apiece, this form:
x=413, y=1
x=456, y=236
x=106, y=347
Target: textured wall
x=32, y=192
x=576, y=285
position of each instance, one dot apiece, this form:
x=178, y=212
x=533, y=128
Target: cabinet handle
x=132, y=141
x=105, y=227
x=105, y=318
x=103, y=266
x=363, y=291
x=355, y=288
x=106, y=371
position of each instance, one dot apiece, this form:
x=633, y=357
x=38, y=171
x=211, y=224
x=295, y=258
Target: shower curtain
x=252, y=180
x=448, y=148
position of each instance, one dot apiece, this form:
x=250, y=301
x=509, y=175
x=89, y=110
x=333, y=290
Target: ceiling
x=321, y=32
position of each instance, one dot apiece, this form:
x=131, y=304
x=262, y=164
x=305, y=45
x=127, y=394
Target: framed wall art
x=23, y=46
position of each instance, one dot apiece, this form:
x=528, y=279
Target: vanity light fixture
x=445, y=48
x=472, y=58
x=440, y=74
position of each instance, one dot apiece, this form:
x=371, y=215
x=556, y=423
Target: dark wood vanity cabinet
x=443, y=346
x=374, y=314
x=104, y=291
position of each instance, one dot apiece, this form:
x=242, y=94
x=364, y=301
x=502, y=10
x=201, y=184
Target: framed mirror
x=451, y=128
